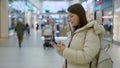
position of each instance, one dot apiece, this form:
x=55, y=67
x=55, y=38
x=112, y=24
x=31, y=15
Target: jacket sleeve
x=60, y=53
x=89, y=51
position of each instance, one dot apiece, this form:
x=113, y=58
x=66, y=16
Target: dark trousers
x=20, y=38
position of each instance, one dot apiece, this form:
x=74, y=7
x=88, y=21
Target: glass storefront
x=108, y=23
x=104, y=15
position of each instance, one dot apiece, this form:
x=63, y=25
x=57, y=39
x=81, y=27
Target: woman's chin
x=74, y=25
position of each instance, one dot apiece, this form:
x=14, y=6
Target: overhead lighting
x=97, y=0
x=55, y=0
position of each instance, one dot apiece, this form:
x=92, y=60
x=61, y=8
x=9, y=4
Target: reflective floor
x=32, y=54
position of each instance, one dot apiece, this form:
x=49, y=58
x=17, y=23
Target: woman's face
x=73, y=19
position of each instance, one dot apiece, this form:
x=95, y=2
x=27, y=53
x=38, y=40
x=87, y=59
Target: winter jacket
x=20, y=27
x=84, y=46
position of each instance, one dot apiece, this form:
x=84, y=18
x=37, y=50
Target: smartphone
x=55, y=42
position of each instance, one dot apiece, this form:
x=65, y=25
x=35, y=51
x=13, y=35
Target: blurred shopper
x=28, y=29
x=57, y=29
x=20, y=27
x=53, y=30
x=13, y=23
x=42, y=25
x=83, y=44
x=108, y=26
x=37, y=26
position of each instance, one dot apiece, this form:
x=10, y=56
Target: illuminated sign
x=98, y=2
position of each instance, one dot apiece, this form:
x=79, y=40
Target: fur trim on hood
x=99, y=29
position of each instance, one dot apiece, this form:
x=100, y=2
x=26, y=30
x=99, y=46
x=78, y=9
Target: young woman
x=83, y=43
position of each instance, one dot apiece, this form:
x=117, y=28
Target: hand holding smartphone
x=55, y=43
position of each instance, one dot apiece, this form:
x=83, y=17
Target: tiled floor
x=32, y=54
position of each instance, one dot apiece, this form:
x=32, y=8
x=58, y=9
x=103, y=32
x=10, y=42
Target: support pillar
x=4, y=18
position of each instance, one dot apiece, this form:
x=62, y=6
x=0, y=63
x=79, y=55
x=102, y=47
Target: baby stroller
x=47, y=37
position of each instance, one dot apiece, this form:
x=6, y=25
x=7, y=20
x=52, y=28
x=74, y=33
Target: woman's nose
x=69, y=20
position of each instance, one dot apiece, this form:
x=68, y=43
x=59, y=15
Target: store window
x=108, y=22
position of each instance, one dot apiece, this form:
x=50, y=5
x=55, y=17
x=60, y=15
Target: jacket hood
x=99, y=29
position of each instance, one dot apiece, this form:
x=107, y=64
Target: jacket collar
x=99, y=29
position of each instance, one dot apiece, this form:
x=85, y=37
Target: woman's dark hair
x=79, y=10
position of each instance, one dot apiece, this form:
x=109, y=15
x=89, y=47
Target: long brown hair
x=79, y=10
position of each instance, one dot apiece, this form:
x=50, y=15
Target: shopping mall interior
x=43, y=15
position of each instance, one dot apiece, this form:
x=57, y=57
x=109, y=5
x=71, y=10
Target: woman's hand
x=60, y=47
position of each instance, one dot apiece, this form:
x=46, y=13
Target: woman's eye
x=71, y=16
